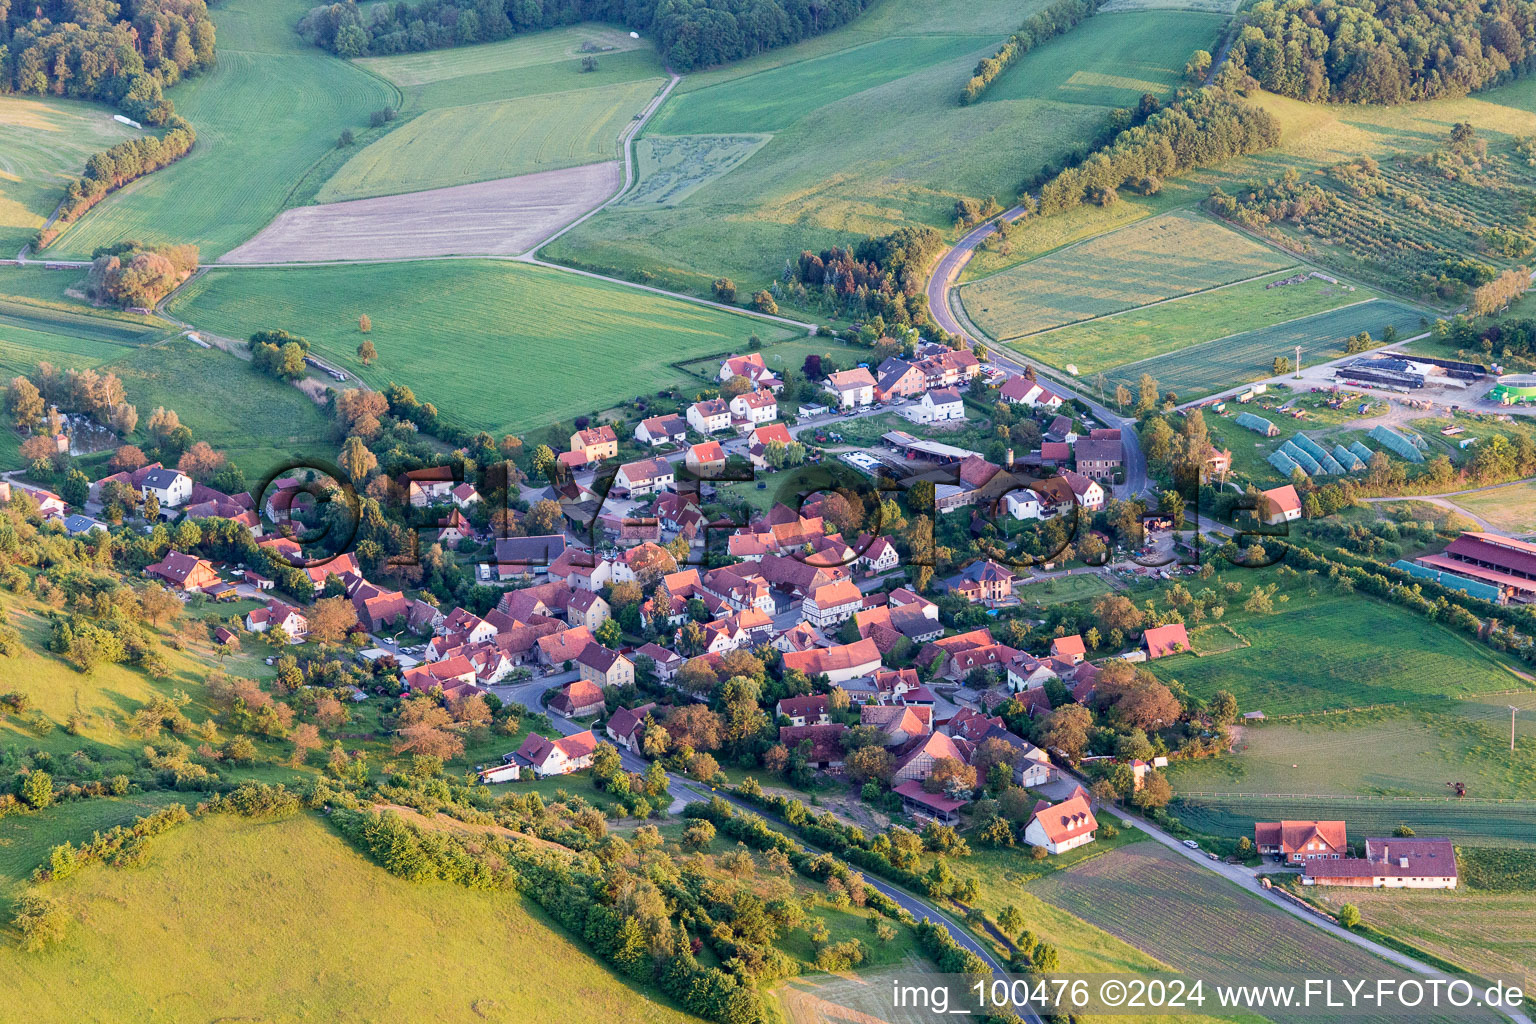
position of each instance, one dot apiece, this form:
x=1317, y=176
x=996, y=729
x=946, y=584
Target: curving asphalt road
x=940, y=284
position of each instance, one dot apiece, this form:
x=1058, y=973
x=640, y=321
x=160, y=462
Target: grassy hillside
x=495, y=345
x=869, y=135
x=44, y=143
x=271, y=108
x=303, y=928
x=502, y=109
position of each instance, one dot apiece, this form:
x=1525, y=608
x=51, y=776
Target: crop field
x=1506, y=823
x=21, y=349
x=1213, y=365
x=1120, y=67
x=293, y=899
x=1165, y=327
x=44, y=144
x=488, y=218
x=672, y=168
x=1491, y=935
x=831, y=175
x=1222, y=932
x=1511, y=508
x=1156, y=259
x=1398, y=752
x=496, y=139
x=256, y=420
x=1335, y=652
x=269, y=109
x=495, y=345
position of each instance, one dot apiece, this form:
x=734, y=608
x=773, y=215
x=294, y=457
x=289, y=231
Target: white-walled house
x=710, y=416
x=170, y=488
x=854, y=388
x=1064, y=826
x=938, y=406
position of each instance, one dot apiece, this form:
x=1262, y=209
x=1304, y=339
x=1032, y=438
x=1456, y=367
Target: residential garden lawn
x=295, y=901
x=269, y=110
x=494, y=345
x=790, y=355
x=1333, y=651
x=258, y=421
x=868, y=430
x=1167, y=327
x=1391, y=752
x=1489, y=934
x=1159, y=258
x=1502, y=823
x=1064, y=589
x=831, y=175
x=1213, y=365
x=1198, y=922
x=44, y=144
x=1511, y=508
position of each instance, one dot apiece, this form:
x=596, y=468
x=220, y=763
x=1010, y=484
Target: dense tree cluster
x=1205, y=128
x=122, y=54
x=108, y=171
x=689, y=34
x=1384, y=51
x=1046, y=24
x=881, y=277
x=136, y=276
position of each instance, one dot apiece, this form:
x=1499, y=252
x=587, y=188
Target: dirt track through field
x=488, y=218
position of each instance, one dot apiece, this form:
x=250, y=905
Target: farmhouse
x=1390, y=864
x=170, y=488
x=854, y=388
x=1069, y=649
x=840, y=663
x=578, y=699
x=465, y=495
x=1279, y=505
x=524, y=556
x=877, y=556
x=1161, y=641
x=1063, y=826
x=659, y=430
x=938, y=406
x=917, y=758
x=1297, y=842
x=595, y=444
x=184, y=572
x=710, y=416
x=1023, y=391
x=1090, y=496
x=808, y=710
x=826, y=742
x=557, y=757
x=831, y=604
x=277, y=615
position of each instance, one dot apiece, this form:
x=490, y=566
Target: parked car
x=1191, y=844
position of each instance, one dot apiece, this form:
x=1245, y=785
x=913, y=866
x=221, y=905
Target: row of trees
x=108, y=171
x=1384, y=51
x=1046, y=24
x=689, y=34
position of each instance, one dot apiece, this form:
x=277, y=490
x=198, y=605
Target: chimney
x=1386, y=854
x=1009, y=463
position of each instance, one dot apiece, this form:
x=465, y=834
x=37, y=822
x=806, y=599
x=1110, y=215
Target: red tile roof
x=1066, y=820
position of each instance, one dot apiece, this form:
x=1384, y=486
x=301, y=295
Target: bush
x=40, y=920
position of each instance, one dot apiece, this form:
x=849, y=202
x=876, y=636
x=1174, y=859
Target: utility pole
x=1298, y=362
x=1512, y=710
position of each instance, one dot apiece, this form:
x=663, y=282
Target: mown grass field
x=303, y=926
x=1189, y=918
x=832, y=174
x=1470, y=822
x=1213, y=365
x=1064, y=589
x=1334, y=652
x=1511, y=508
x=52, y=299
x=1407, y=752
x=44, y=144
x=1156, y=259
x=1149, y=331
x=270, y=109
x=22, y=348
x=495, y=345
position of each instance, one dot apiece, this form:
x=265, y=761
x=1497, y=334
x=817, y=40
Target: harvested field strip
x=1174, y=324
x=1221, y=932
x=495, y=345
x=489, y=218
x=498, y=139
x=1224, y=362
x=1159, y=258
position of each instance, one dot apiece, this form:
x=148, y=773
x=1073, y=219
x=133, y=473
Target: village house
x=753, y=409
x=854, y=388
x=757, y=446
x=557, y=757
x=1023, y=503
x=283, y=498
x=1027, y=672
x=526, y=556
x=709, y=416
x=877, y=556
x=900, y=723
x=170, y=488
x=831, y=604
x=465, y=495
x=586, y=608
x=558, y=648
x=941, y=405
x=627, y=727
x=667, y=662
x=277, y=615
x=1089, y=495
x=1217, y=464
x=1023, y=391
x=1099, y=458
x=1063, y=826
x=984, y=582
x=1069, y=648
x=134, y=481
x=1397, y=863
x=826, y=743
x=578, y=698
x=897, y=378
x=945, y=367
x=659, y=430
x=840, y=663
x=1161, y=641
x=428, y=486
x=1279, y=505
x=455, y=676
x=812, y=709
x=454, y=528
x=605, y=667
x=1296, y=842
x=647, y=476
x=595, y=444
x=184, y=572
x=752, y=367
x=706, y=460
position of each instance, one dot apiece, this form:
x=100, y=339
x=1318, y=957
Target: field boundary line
x=1202, y=795
x=1158, y=302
